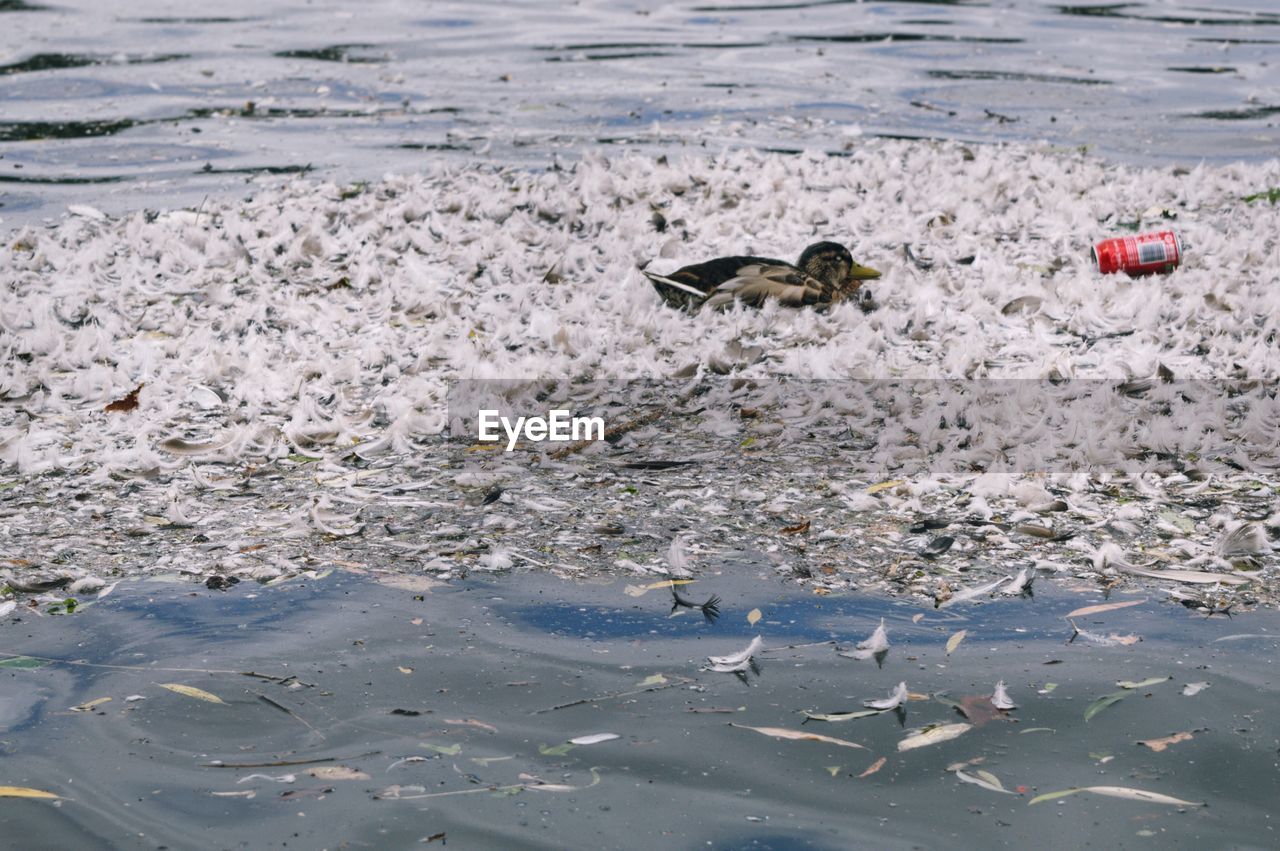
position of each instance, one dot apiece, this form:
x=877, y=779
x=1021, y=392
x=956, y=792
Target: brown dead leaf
x=802, y=526
x=128, y=403
x=1158, y=745
x=874, y=767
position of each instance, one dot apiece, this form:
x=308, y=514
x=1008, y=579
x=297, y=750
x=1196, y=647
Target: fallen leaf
x=1191, y=689
x=192, y=691
x=985, y=780
x=1198, y=577
x=536, y=783
x=883, y=486
x=25, y=792
x=447, y=750
x=653, y=680
x=1103, y=702
x=954, y=641
x=798, y=735
x=802, y=526
x=404, y=670
x=1104, y=607
x=556, y=750
x=833, y=770
x=753, y=616
x=917, y=617
x=841, y=716
x=23, y=662
x=416, y=621
x=1149, y=681
x=88, y=707
x=641, y=590
x=873, y=767
x=486, y=760
x=594, y=739
x=1158, y=745
x=943, y=733
x=127, y=403
x=337, y=772
x=1117, y=792
x=471, y=722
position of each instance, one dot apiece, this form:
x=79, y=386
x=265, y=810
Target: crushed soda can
x=1144, y=254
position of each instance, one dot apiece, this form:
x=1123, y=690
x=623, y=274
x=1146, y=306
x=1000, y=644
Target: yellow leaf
x=404, y=670
x=954, y=641
x=88, y=707
x=192, y=691
x=833, y=770
x=24, y=792
x=1158, y=745
x=654, y=680
x=753, y=616
x=641, y=590
x=884, y=486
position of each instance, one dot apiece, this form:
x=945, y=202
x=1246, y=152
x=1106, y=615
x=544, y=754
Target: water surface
x=140, y=103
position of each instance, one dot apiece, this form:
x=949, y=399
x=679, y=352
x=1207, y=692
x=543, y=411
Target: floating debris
x=737, y=662
x=798, y=735
x=877, y=646
x=896, y=698
x=933, y=736
x=1000, y=698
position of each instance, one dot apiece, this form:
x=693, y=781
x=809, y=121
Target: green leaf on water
x=1103, y=702
x=558, y=750
x=303, y=459
x=1149, y=681
x=449, y=750
x=1270, y=195
x=1049, y=796
x=22, y=663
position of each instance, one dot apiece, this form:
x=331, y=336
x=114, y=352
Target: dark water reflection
x=463, y=693
x=354, y=91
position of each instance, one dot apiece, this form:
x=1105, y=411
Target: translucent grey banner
x=904, y=427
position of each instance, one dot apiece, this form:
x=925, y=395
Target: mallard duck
x=826, y=272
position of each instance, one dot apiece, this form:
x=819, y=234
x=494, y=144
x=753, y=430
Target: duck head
x=833, y=265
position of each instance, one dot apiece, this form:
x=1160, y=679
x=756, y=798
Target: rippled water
x=146, y=103
x=414, y=714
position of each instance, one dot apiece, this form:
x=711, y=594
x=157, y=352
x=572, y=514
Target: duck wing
x=756, y=283
x=690, y=286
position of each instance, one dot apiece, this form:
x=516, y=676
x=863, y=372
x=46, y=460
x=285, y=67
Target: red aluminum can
x=1144, y=254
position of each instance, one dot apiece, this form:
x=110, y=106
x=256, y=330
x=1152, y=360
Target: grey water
x=147, y=104
x=358, y=715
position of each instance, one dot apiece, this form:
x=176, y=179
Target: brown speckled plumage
x=826, y=272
